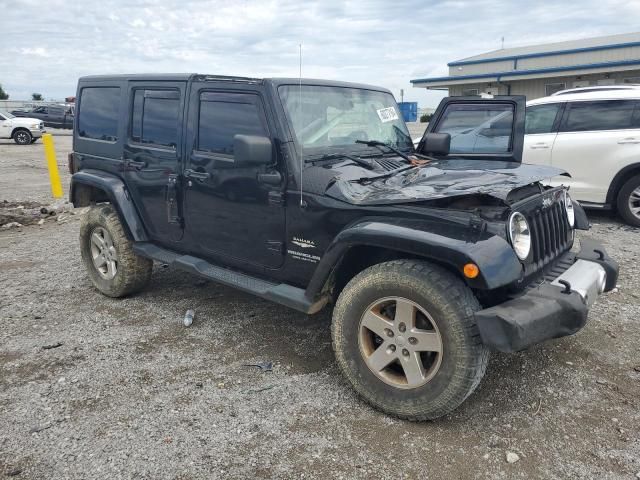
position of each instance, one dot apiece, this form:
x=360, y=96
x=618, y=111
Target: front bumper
x=555, y=308
x=37, y=132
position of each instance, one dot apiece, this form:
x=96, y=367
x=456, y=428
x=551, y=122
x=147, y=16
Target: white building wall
x=536, y=87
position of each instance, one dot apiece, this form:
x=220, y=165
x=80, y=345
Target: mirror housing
x=252, y=150
x=436, y=144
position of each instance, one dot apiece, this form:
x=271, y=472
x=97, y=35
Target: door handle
x=539, y=145
x=630, y=140
x=189, y=173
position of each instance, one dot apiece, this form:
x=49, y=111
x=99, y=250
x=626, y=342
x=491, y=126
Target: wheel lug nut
x=413, y=340
x=402, y=327
x=405, y=352
x=389, y=332
x=392, y=348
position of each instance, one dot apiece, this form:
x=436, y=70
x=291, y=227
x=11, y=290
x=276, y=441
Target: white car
x=23, y=130
x=595, y=136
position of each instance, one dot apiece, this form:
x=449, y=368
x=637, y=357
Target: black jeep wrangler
x=311, y=192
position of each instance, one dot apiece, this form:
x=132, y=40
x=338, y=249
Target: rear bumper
x=556, y=308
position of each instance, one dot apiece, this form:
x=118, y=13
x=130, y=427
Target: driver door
x=232, y=214
x=480, y=128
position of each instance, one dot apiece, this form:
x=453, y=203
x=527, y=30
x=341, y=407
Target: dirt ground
x=93, y=387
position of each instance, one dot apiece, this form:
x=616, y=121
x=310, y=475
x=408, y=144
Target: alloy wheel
x=634, y=203
x=400, y=342
x=103, y=253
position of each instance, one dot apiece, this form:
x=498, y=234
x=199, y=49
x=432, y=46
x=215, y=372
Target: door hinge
x=173, y=215
x=275, y=246
x=276, y=198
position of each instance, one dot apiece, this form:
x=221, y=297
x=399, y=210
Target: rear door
x=56, y=116
x=488, y=129
x=595, y=141
x=152, y=157
x=541, y=129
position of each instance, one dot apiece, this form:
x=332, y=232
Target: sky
x=46, y=46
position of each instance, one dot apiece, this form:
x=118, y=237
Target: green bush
x=426, y=118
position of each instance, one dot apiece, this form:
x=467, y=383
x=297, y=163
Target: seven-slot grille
x=551, y=234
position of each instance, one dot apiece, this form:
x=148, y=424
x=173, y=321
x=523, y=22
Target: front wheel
x=629, y=201
x=22, y=137
x=108, y=255
x=405, y=337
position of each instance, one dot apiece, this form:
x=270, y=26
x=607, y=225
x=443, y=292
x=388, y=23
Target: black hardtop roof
x=177, y=77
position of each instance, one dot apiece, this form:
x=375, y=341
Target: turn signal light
x=471, y=270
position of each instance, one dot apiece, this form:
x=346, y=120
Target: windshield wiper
x=379, y=144
x=339, y=156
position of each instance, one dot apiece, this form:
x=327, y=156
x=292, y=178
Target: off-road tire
x=133, y=272
x=22, y=137
x=633, y=184
x=451, y=304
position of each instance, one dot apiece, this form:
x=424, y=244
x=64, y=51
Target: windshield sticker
x=388, y=114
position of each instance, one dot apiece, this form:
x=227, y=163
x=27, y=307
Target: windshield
x=6, y=115
x=335, y=117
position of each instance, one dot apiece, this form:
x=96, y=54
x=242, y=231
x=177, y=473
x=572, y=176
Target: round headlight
x=568, y=206
x=520, y=235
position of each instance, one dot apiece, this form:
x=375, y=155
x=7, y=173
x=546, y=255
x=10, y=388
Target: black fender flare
x=492, y=254
x=116, y=192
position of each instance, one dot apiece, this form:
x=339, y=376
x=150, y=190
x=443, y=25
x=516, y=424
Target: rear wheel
x=108, y=255
x=629, y=201
x=405, y=337
x=22, y=137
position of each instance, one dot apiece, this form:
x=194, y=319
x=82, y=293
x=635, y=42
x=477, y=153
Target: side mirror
x=436, y=144
x=252, y=150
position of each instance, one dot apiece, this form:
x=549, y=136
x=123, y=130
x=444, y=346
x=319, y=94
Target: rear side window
x=484, y=128
x=98, y=114
x=222, y=116
x=541, y=118
x=601, y=115
x=154, y=117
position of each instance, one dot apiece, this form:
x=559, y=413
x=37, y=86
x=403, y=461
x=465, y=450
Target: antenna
x=300, y=122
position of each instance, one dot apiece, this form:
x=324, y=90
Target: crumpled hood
x=442, y=179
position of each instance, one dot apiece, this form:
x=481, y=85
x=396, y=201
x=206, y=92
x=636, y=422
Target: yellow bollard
x=52, y=165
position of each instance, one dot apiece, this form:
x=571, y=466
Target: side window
x=98, y=113
x=541, y=118
x=602, y=115
x=478, y=128
x=40, y=110
x=222, y=116
x=154, y=117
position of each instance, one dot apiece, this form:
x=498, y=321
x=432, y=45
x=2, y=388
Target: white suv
x=594, y=136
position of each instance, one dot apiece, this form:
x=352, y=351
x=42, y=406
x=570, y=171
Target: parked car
x=310, y=192
x=22, y=130
x=595, y=136
x=54, y=116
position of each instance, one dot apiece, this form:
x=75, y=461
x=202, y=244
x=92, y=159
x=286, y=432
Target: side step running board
x=281, y=293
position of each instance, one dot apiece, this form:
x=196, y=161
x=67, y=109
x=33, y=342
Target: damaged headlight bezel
x=519, y=235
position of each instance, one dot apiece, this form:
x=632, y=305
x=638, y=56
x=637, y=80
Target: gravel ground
x=93, y=387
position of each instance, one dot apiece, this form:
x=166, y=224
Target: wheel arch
x=361, y=246
x=17, y=129
x=89, y=187
x=619, y=180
